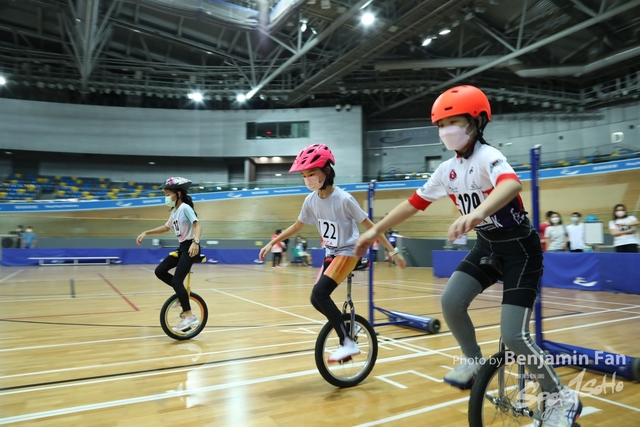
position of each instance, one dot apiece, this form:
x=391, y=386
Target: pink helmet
x=314, y=156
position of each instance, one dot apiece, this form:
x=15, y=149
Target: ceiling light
x=277, y=159
x=241, y=97
x=2, y=81
x=278, y=174
x=313, y=30
x=303, y=25
x=7, y=152
x=444, y=31
x=368, y=18
x=263, y=159
x=218, y=188
x=426, y=41
x=152, y=163
x=195, y=96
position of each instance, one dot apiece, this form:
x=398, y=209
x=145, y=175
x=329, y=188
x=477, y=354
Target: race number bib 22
x=329, y=232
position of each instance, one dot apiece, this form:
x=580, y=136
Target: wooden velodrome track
x=82, y=346
x=257, y=218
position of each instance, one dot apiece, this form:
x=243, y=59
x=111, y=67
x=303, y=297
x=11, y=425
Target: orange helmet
x=460, y=100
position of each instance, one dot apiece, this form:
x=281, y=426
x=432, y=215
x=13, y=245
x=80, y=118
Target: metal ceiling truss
x=121, y=46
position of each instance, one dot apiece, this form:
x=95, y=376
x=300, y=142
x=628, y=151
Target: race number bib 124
x=329, y=232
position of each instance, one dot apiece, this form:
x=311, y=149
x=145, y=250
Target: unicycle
x=354, y=370
x=504, y=395
x=171, y=311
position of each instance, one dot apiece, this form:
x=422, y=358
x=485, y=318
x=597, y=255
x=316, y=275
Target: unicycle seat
x=198, y=258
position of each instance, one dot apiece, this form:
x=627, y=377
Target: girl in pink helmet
x=335, y=213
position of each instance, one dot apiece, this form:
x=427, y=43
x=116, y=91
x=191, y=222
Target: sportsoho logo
x=580, y=281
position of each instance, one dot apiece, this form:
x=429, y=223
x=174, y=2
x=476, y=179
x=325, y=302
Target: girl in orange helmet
x=485, y=190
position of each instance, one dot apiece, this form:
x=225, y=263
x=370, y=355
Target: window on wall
x=277, y=130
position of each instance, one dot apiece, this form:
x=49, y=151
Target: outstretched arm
x=399, y=214
x=157, y=230
x=294, y=229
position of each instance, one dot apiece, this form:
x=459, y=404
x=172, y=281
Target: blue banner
x=55, y=206
x=572, y=271
x=592, y=271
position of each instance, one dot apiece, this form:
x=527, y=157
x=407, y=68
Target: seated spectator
x=555, y=234
x=575, y=230
x=300, y=252
x=623, y=230
x=29, y=238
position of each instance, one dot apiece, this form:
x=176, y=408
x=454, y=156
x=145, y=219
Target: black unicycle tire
x=479, y=388
x=320, y=355
x=202, y=321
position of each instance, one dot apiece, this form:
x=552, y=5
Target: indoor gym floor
x=83, y=346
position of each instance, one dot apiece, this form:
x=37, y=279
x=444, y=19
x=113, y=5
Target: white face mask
x=575, y=219
x=555, y=220
x=28, y=230
x=454, y=137
x=621, y=214
x=169, y=202
x=313, y=182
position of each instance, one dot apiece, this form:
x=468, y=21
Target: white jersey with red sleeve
x=468, y=182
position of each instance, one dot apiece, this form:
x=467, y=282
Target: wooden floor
x=82, y=346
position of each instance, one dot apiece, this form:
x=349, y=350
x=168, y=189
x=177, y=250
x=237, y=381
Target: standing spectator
x=277, y=250
x=285, y=245
x=543, y=227
x=575, y=230
x=623, y=230
x=555, y=234
x=29, y=238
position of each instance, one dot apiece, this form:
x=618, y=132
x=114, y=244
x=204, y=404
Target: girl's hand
x=464, y=224
x=399, y=260
x=366, y=239
x=264, y=251
x=194, y=249
x=140, y=237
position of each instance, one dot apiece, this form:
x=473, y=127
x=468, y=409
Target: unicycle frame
x=348, y=303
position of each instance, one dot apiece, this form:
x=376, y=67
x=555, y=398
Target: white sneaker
x=345, y=351
x=185, y=324
x=462, y=375
x=561, y=409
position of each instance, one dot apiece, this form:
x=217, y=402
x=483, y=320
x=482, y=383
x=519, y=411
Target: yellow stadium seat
x=58, y=177
x=13, y=181
x=86, y=193
x=60, y=192
x=28, y=199
x=140, y=186
x=103, y=185
x=114, y=197
x=89, y=197
x=615, y=154
x=20, y=190
x=79, y=181
x=583, y=161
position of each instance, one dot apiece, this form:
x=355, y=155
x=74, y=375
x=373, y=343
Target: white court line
x=37, y=347
x=415, y=412
x=366, y=301
x=270, y=307
x=4, y=279
x=393, y=383
x=164, y=358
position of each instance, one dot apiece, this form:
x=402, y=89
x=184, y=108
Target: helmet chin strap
x=326, y=175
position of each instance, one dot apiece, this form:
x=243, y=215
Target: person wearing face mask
x=184, y=222
x=556, y=236
x=335, y=213
x=485, y=189
x=29, y=238
x=623, y=229
x=575, y=230
x=543, y=226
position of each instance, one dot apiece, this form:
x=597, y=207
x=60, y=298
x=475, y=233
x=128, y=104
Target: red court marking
x=64, y=315
x=118, y=292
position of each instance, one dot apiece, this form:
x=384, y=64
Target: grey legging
x=461, y=289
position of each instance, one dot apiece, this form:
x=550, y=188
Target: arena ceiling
x=528, y=55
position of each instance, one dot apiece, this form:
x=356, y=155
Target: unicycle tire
x=505, y=409
x=354, y=370
x=171, y=316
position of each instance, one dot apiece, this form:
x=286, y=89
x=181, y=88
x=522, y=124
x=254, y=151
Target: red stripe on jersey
x=506, y=176
x=418, y=202
x=455, y=202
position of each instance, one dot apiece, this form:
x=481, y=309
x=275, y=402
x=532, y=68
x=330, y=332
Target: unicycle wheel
x=352, y=371
x=495, y=398
x=170, y=315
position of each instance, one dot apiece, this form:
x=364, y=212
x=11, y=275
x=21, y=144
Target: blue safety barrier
x=593, y=271
x=20, y=257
